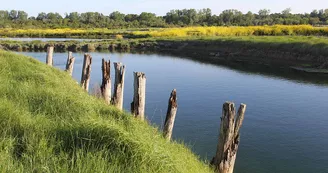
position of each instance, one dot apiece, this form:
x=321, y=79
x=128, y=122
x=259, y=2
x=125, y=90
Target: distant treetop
x=184, y=17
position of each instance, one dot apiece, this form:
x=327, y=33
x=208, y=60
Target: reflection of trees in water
x=273, y=71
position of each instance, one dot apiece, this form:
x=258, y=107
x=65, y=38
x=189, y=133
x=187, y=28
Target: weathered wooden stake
x=86, y=70
x=229, y=138
x=70, y=63
x=119, y=85
x=139, y=98
x=50, y=52
x=106, y=85
x=170, y=115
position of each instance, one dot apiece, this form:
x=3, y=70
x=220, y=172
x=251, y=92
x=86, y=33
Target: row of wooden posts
x=229, y=136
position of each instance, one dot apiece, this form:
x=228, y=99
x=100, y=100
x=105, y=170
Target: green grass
x=300, y=43
x=261, y=39
x=49, y=124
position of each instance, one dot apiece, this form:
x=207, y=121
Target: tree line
x=185, y=17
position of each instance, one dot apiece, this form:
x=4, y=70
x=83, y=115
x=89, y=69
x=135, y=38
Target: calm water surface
x=286, y=122
x=48, y=39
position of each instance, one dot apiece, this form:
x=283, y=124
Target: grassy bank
x=64, y=33
x=49, y=124
x=303, y=52
x=277, y=30
x=297, y=42
x=290, y=48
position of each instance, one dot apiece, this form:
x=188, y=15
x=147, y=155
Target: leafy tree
x=249, y=18
x=286, y=12
x=117, y=16
x=4, y=15
x=13, y=14
x=42, y=16
x=22, y=15
x=73, y=17
x=230, y=17
x=314, y=20
x=131, y=17
x=184, y=17
x=264, y=12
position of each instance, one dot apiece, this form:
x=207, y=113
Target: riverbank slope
x=299, y=52
x=49, y=124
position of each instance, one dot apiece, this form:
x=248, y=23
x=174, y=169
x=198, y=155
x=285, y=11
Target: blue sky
x=160, y=7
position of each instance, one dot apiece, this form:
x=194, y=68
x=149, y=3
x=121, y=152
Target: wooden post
x=139, y=98
x=50, y=52
x=170, y=115
x=106, y=85
x=70, y=63
x=119, y=85
x=229, y=138
x=86, y=71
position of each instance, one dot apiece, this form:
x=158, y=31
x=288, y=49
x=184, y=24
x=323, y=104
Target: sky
x=159, y=7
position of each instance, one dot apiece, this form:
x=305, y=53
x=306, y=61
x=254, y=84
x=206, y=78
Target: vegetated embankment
x=48, y=123
x=303, y=52
x=299, y=51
